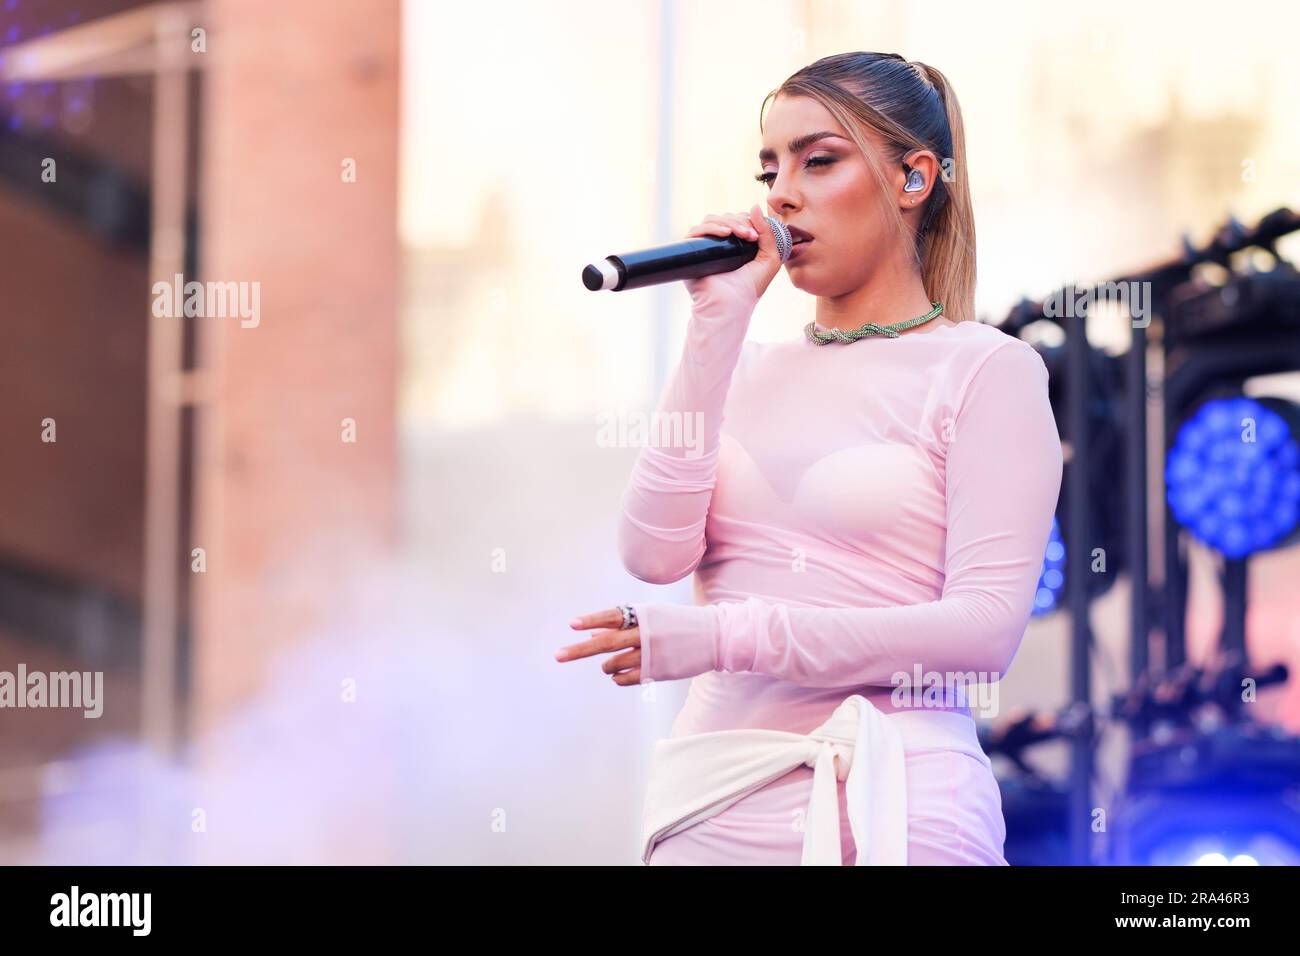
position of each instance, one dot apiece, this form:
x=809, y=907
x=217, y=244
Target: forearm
x=833, y=647
x=666, y=501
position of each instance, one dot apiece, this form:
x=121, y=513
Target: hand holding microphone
x=734, y=254
x=751, y=279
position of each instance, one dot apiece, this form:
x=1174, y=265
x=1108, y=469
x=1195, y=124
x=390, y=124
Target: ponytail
x=946, y=240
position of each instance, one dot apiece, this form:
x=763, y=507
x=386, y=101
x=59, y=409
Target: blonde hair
x=909, y=106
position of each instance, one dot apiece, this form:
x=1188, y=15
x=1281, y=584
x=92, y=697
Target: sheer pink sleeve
x=1003, y=477
x=666, y=501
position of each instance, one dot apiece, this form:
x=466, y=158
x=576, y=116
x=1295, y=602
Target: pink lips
x=800, y=240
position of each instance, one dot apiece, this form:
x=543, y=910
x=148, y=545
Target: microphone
x=687, y=259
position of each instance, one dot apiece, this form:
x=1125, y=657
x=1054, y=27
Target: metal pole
x=1079, y=564
x=1135, y=466
x=162, y=451
x=652, y=694
x=664, y=186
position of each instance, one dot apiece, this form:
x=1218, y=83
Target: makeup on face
x=821, y=159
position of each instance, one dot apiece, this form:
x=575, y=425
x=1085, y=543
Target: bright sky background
x=1080, y=169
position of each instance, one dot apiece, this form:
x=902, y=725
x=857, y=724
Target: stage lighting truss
x=1106, y=488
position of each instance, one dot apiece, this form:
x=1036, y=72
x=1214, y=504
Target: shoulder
x=981, y=343
x=983, y=336
x=989, y=357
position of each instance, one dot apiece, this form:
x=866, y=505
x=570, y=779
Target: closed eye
x=766, y=178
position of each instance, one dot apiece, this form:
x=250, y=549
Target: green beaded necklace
x=818, y=337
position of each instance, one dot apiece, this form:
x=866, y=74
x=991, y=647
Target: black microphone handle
x=686, y=259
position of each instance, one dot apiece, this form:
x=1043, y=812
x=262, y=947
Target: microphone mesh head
x=782, y=235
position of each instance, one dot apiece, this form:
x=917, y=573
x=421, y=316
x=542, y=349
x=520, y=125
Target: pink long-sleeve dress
x=851, y=512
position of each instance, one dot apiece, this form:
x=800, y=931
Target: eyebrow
x=798, y=145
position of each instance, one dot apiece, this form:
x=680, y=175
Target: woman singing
x=866, y=519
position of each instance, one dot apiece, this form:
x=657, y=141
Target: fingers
x=747, y=227
x=611, y=618
x=726, y=224
x=751, y=225
x=625, y=669
x=602, y=642
x=625, y=661
x=766, y=240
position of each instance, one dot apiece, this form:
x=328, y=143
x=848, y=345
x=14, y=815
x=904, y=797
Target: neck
x=888, y=297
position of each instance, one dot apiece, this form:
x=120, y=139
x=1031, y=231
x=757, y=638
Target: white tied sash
x=695, y=776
